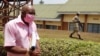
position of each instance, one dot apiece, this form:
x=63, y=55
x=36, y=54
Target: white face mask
x=29, y=18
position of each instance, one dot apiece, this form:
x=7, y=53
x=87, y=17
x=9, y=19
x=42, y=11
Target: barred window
x=95, y=28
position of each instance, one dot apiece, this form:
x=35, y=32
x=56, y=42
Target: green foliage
x=2, y=50
x=1, y=39
x=68, y=47
x=65, y=47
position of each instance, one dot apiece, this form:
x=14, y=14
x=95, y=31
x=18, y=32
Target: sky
x=51, y=1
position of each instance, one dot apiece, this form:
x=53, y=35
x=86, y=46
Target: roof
x=81, y=5
x=52, y=11
x=70, y=7
x=47, y=10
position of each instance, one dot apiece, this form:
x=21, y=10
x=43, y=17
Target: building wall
x=91, y=23
x=90, y=18
x=53, y=23
x=39, y=22
x=49, y=24
x=93, y=19
x=68, y=18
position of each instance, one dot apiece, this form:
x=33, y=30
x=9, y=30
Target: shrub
x=68, y=47
x=1, y=39
x=2, y=50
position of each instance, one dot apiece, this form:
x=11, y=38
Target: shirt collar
x=19, y=20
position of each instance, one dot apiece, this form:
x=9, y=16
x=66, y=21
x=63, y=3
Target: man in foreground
x=20, y=34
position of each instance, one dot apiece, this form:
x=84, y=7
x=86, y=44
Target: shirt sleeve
x=9, y=37
x=37, y=36
x=36, y=33
x=75, y=18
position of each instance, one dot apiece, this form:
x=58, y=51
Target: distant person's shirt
x=17, y=33
x=75, y=23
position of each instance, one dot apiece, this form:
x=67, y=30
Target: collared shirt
x=17, y=33
x=75, y=23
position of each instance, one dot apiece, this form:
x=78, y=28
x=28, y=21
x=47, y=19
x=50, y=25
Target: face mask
x=29, y=18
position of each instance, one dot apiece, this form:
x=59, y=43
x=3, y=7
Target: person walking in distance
x=76, y=25
x=20, y=34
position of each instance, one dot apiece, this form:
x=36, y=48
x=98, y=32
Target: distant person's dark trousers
x=75, y=31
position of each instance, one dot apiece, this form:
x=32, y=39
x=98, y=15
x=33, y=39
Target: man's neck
x=25, y=22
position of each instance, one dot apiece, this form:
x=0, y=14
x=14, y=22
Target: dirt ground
x=65, y=34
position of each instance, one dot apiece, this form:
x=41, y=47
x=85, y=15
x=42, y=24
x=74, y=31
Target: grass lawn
x=95, y=37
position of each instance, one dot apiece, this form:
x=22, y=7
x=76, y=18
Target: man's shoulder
x=76, y=16
x=33, y=23
x=11, y=22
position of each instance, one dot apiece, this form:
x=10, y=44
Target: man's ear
x=23, y=12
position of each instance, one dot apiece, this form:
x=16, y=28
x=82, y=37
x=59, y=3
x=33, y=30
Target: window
x=89, y=28
x=51, y=27
x=99, y=28
x=95, y=28
x=39, y=26
x=71, y=26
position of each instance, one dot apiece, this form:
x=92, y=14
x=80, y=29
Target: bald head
x=28, y=9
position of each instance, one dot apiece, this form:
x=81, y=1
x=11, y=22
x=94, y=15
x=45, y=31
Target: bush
x=2, y=50
x=1, y=39
x=68, y=47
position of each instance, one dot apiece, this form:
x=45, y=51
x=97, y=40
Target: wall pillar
x=85, y=23
x=62, y=18
x=65, y=26
x=44, y=26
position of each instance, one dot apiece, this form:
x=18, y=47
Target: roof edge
x=81, y=12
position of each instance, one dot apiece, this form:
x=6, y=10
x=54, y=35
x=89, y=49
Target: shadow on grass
x=76, y=38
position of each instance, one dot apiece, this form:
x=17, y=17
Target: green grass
x=95, y=37
x=1, y=38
